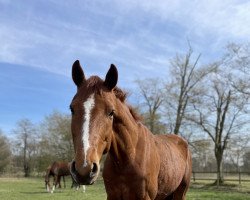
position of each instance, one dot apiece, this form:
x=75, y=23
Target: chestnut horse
x=57, y=170
x=139, y=165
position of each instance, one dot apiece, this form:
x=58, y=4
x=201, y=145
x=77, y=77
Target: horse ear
x=77, y=73
x=111, y=77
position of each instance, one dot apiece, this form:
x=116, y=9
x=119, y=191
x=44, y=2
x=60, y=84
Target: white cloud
x=140, y=34
x=225, y=18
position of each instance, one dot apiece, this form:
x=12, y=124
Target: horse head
x=93, y=108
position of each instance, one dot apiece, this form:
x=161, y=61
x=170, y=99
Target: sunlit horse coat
x=139, y=165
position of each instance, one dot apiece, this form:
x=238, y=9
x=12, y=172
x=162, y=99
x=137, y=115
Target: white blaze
x=88, y=106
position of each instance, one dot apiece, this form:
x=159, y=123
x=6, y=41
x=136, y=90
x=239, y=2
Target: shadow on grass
x=35, y=192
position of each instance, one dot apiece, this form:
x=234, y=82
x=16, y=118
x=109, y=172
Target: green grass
x=33, y=188
x=208, y=191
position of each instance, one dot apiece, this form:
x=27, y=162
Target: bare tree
x=56, y=142
x=220, y=112
x=185, y=75
x=5, y=152
x=203, y=160
x=237, y=147
x=237, y=58
x=25, y=131
x=246, y=160
x=152, y=96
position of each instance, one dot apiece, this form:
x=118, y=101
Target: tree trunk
x=25, y=162
x=26, y=170
x=151, y=124
x=178, y=114
x=219, y=156
x=177, y=125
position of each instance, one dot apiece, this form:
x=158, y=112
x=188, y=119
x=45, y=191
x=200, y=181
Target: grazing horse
x=57, y=170
x=139, y=165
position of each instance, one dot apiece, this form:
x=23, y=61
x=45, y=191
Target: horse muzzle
x=84, y=175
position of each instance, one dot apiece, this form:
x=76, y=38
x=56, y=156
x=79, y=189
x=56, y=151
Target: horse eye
x=71, y=109
x=111, y=114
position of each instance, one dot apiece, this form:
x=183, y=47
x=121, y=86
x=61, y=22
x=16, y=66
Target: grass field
x=33, y=188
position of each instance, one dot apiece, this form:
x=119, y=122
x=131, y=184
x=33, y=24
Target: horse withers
x=139, y=165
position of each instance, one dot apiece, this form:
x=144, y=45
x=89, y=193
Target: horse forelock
x=96, y=85
x=94, y=82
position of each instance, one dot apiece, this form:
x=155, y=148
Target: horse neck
x=47, y=174
x=125, y=135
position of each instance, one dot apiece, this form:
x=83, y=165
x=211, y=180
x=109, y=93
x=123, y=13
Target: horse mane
x=120, y=94
x=96, y=83
x=135, y=114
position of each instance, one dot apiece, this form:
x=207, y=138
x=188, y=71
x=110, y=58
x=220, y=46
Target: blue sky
x=41, y=39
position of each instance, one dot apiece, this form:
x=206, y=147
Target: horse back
x=60, y=168
x=174, y=163
x=174, y=143
x=63, y=169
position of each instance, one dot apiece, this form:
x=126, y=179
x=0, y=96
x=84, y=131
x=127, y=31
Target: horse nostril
x=94, y=168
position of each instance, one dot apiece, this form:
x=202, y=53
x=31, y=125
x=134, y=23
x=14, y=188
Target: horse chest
x=123, y=188
x=125, y=183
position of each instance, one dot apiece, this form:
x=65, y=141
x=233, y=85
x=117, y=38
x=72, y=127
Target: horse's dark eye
x=71, y=109
x=111, y=114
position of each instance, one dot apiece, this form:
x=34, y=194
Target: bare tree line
x=205, y=103
x=210, y=98
x=34, y=147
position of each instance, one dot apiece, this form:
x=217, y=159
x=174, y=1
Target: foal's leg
x=64, y=182
x=77, y=187
x=83, y=188
x=56, y=178
x=59, y=181
x=47, y=184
